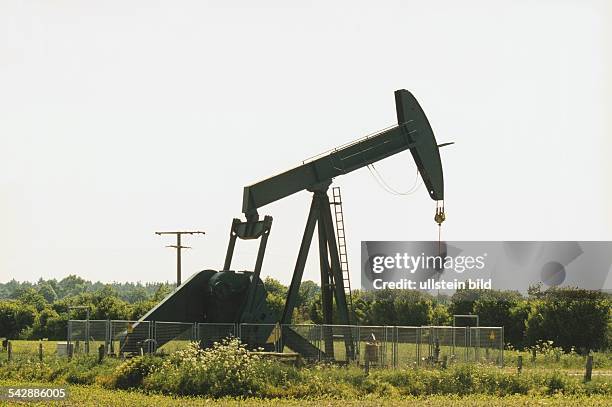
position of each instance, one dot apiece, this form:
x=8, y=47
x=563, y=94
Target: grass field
x=30, y=348
x=97, y=396
x=554, y=380
x=406, y=355
x=403, y=353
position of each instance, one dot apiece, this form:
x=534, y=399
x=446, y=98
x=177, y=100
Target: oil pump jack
x=230, y=296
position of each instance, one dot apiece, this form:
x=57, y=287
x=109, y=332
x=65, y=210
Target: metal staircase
x=340, y=234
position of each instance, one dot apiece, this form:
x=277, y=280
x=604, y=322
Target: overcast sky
x=121, y=118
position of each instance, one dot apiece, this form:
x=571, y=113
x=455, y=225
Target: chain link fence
x=207, y=334
x=382, y=346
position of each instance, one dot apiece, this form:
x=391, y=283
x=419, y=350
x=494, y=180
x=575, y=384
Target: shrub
x=571, y=318
x=80, y=369
x=84, y=369
x=15, y=317
x=132, y=372
x=226, y=369
x=469, y=379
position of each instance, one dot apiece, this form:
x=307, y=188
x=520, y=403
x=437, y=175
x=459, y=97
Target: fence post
x=87, y=336
x=519, y=364
x=9, y=349
x=466, y=345
x=357, y=345
x=393, y=328
x=110, y=338
x=418, y=346
x=322, y=342
x=478, y=344
x=533, y=355
x=588, y=368
x=395, y=346
x=383, y=361
x=40, y=351
x=101, y=353
x=152, y=334
x=107, y=337
x=436, y=355
x=502, y=346
x=69, y=339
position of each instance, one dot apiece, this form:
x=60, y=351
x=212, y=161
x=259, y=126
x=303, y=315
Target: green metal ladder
x=342, y=252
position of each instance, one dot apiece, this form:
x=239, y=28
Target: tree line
x=570, y=317
x=42, y=309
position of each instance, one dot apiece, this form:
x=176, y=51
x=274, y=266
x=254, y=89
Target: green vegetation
x=575, y=320
x=41, y=310
x=228, y=369
x=83, y=395
x=550, y=356
x=79, y=370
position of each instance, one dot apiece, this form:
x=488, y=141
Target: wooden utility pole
x=178, y=248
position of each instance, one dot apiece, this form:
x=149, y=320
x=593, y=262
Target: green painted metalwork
x=229, y=296
x=412, y=132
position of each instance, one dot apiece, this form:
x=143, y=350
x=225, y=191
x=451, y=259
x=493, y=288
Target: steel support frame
x=332, y=284
x=247, y=231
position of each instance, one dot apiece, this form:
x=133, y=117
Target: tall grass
x=550, y=356
x=228, y=369
x=81, y=369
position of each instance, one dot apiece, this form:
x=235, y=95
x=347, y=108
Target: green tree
x=71, y=285
x=15, y=317
x=276, y=303
x=413, y=308
x=9, y=288
x=570, y=317
x=362, y=300
x=105, y=291
x=383, y=309
x=273, y=286
x=47, y=291
x=30, y=296
x=308, y=291
x=136, y=294
x=140, y=308
x=306, y=295
x=462, y=301
x=499, y=308
x=162, y=292
x=440, y=315
x=515, y=329
x=49, y=324
x=315, y=314
x=277, y=295
x=111, y=307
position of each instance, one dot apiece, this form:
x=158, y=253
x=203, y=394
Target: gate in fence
x=383, y=346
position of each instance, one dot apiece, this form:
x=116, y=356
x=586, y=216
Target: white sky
x=120, y=118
